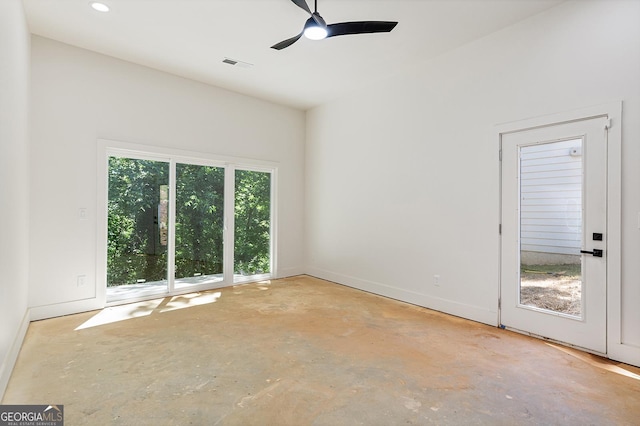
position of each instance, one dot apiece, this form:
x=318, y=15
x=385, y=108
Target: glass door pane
x=199, y=224
x=252, y=249
x=551, y=176
x=137, y=227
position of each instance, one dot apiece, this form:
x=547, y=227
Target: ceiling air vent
x=237, y=63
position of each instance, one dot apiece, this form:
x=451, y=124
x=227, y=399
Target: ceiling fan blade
x=319, y=19
x=360, y=27
x=286, y=43
x=302, y=4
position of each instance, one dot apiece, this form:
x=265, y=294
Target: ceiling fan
x=316, y=28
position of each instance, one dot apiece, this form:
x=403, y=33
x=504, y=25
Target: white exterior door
x=554, y=222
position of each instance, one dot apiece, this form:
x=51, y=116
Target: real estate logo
x=31, y=415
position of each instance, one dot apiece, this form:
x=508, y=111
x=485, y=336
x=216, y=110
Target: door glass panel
x=137, y=226
x=199, y=224
x=551, y=191
x=252, y=250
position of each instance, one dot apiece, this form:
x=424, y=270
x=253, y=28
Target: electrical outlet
x=436, y=280
x=82, y=280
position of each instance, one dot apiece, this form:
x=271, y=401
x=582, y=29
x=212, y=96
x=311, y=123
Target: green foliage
x=134, y=251
x=252, y=222
x=138, y=220
x=199, y=220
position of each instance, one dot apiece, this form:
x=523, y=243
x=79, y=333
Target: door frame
x=612, y=111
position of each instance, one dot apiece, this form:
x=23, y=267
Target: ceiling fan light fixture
x=315, y=32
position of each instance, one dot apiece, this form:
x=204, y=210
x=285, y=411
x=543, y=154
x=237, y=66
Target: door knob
x=595, y=252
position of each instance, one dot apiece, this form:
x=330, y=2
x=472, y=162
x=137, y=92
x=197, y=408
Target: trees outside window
x=252, y=223
x=199, y=220
x=135, y=250
x=153, y=240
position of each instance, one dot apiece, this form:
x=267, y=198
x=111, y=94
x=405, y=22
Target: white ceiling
x=190, y=38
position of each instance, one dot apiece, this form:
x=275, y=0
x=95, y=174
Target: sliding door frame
x=111, y=148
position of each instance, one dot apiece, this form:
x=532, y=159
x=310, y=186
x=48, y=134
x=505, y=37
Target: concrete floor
x=304, y=351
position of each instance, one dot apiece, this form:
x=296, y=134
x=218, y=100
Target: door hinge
x=499, y=303
x=500, y=154
x=499, y=229
x=607, y=124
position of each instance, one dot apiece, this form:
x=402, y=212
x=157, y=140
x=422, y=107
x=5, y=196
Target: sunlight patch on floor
x=597, y=361
x=189, y=300
x=119, y=313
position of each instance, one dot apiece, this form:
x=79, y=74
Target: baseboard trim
x=291, y=272
x=66, y=308
x=9, y=361
x=470, y=312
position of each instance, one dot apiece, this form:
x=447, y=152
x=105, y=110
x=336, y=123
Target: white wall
x=551, y=199
x=79, y=97
x=403, y=179
x=14, y=183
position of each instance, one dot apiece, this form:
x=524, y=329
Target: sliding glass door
x=252, y=250
x=199, y=225
x=137, y=226
x=170, y=219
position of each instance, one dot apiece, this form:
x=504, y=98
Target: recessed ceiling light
x=100, y=7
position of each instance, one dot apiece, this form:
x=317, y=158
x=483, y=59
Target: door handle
x=595, y=252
